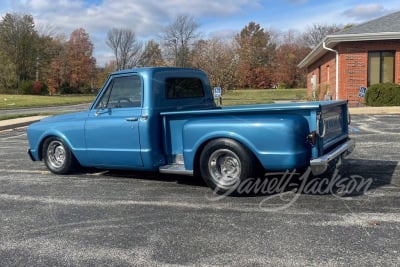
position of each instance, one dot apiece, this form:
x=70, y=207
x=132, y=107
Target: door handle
x=132, y=119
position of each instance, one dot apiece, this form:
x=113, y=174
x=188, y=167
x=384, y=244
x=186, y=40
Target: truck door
x=112, y=127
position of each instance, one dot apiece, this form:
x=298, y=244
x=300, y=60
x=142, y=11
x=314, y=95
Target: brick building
x=355, y=58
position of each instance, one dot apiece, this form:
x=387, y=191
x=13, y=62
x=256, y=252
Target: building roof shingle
x=388, y=23
x=383, y=28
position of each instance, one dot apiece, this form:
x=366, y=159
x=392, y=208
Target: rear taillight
x=312, y=138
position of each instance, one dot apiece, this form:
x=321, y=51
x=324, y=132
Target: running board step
x=175, y=169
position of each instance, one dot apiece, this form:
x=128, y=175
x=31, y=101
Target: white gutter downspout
x=337, y=68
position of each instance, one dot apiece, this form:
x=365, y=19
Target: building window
x=380, y=67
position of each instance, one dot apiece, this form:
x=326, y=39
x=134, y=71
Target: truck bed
x=275, y=122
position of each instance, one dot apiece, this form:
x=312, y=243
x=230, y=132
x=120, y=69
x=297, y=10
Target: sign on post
x=218, y=94
x=362, y=91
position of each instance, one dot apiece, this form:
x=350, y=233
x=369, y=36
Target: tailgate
x=332, y=121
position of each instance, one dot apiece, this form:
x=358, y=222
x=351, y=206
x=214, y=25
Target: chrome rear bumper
x=321, y=164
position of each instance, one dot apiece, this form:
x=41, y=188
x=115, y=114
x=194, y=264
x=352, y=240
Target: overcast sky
x=216, y=17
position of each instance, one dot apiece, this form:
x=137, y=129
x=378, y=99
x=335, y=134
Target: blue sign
x=362, y=91
x=217, y=92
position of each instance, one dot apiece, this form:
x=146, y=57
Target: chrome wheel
x=225, y=163
x=56, y=154
x=225, y=168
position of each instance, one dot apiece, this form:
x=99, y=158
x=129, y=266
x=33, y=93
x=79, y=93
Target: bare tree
x=125, y=46
x=317, y=32
x=178, y=38
x=217, y=58
x=46, y=29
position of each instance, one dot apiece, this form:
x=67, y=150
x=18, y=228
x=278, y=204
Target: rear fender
x=190, y=154
x=277, y=141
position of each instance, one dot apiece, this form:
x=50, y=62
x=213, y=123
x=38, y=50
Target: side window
x=122, y=92
x=183, y=88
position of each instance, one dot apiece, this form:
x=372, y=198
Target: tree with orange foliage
x=288, y=55
x=57, y=74
x=254, y=51
x=81, y=63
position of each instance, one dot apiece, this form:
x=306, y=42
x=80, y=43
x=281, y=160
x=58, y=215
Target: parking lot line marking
x=113, y=203
x=24, y=171
x=14, y=136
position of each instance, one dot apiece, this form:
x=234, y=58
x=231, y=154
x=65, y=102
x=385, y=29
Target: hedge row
x=33, y=88
x=383, y=94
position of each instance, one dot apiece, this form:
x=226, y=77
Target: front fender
x=71, y=133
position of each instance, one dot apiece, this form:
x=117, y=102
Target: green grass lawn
x=25, y=101
x=231, y=97
x=251, y=96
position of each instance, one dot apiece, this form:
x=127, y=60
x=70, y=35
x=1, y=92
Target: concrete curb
x=20, y=122
x=374, y=110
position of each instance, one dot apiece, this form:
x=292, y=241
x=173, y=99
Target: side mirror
x=102, y=108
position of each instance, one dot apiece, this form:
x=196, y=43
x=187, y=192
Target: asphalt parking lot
x=110, y=218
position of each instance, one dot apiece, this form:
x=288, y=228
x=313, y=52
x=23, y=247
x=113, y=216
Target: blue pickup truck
x=165, y=119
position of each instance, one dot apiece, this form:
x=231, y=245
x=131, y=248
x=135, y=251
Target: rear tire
x=225, y=163
x=57, y=156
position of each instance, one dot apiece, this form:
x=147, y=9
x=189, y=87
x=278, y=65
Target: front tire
x=224, y=164
x=57, y=156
